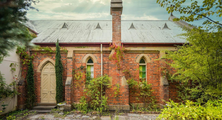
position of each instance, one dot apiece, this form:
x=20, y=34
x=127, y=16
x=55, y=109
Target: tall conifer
x=30, y=87
x=58, y=71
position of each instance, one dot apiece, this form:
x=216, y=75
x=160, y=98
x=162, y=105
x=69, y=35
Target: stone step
x=41, y=111
x=43, y=107
x=46, y=104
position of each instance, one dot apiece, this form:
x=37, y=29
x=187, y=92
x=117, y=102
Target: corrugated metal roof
x=146, y=31
x=30, y=25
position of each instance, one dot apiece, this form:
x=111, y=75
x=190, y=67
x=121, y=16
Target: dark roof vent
x=98, y=26
x=166, y=26
x=132, y=27
x=65, y=25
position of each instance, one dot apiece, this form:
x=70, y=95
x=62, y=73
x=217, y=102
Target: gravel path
x=127, y=116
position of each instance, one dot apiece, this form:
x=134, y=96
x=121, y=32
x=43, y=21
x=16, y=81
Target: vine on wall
x=26, y=57
x=94, y=98
x=118, y=54
x=143, y=89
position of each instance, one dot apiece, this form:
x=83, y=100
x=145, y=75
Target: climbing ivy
x=25, y=57
x=145, y=92
x=118, y=54
x=143, y=89
x=58, y=71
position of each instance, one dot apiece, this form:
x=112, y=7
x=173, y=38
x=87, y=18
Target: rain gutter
x=101, y=59
x=108, y=44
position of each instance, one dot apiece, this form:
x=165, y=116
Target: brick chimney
x=116, y=12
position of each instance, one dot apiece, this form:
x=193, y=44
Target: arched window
x=89, y=69
x=142, y=69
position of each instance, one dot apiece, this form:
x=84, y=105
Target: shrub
x=95, y=92
x=212, y=110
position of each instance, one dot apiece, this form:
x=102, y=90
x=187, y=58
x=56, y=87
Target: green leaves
x=95, y=92
x=212, y=110
x=198, y=66
x=5, y=89
x=195, y=11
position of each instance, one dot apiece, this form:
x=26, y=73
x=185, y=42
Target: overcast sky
x=98, y=10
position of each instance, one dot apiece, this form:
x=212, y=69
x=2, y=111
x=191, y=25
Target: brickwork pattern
x=21, y=97
x=116, y=27
x=126, y=96
x=37, y=75
x=68, y=94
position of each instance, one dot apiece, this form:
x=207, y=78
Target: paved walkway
x=127, y=116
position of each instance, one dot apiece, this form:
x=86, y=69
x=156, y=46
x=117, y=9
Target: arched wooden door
x=48, y=84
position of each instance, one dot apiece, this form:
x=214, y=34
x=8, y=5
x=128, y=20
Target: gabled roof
x=83, y=31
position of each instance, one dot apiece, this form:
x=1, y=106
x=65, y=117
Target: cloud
x=144, y=17
x=86, y=9
x=69, y=16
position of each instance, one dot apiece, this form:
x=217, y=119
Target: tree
x=30, y=87
x=58, y=71
x=198, y=66
x=12, y=31
x=195, y=11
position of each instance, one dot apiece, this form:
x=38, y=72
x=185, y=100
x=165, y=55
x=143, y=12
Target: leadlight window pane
x=90, y=61
x=142, y=61
x=90, y=70
x=142, y=71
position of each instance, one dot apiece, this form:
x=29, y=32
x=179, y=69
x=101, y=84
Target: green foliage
x=212, y=110
x=95, y=91
x=45, y=50
x=116, y=90
x=25, y=57
x=59, y=71
x=198, y=66
x=30, y=98
x=117, y=56
x=17, y=115
x=88, y=77
x=195, y=11
x=145, y=92
x=12, y=31
x=83, y=105
x=146, y=95
x=7, y=90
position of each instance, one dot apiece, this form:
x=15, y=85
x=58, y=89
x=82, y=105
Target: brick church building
x=88, y=45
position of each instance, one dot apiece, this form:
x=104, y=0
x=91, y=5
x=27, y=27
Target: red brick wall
x=79, y=85
x=37, y=75
x=109, y=68
x=152, y=74
x=116, y=25
x=173, y=90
